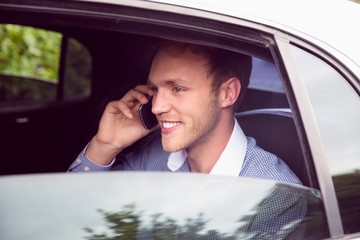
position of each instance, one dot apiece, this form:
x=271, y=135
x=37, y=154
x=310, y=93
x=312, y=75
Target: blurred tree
x=31, y=52
x=123, y=225
x=126, y=224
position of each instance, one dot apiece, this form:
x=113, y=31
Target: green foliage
x=27, y=51
x=29, y=65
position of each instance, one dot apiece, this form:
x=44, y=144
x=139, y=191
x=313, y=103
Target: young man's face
x=184, y=103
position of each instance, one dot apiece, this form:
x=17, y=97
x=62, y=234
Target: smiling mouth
x=168, y=125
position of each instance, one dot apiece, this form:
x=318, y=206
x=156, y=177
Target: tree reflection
x=123, y=224
x=127, y=224
x=280, y=215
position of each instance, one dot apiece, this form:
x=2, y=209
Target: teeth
x=170, y=124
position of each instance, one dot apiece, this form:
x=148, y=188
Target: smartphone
x=148, y=119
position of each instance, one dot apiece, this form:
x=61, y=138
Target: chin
x=171, y=147
x=175, y=143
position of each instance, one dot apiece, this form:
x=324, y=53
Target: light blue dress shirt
x=241, y=157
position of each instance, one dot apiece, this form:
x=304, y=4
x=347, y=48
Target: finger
x=116, y=107
x=131, y=100
x=144, y=89
x=133, y=96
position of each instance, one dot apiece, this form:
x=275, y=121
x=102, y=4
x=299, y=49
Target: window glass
x=264, y=76
x=29, y=63
x=30, y=60
x=77, y=70
x=178, y=206
x=336, y=106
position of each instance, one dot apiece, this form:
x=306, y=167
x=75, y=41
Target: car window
x=265, y=89
x=177, y=206
x=264, y=76
x=78, y=69
x=336, y=106
x=31, y=66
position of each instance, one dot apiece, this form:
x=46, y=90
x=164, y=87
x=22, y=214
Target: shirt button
x=78, y=160
x=86, y=169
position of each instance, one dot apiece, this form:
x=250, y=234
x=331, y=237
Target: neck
x=204, y=154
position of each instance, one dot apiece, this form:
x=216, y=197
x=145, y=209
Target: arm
x=120, y=126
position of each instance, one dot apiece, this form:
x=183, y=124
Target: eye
x=178, y=89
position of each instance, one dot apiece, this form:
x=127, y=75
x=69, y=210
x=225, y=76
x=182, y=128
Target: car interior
x=46, y=135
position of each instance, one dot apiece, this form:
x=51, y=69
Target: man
x=195, y=91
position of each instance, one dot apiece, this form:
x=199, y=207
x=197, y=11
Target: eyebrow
x=175, y=81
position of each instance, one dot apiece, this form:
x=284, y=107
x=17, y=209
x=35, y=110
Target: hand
x=120, y=126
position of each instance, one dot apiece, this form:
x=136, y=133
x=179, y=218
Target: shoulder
x=260, y=163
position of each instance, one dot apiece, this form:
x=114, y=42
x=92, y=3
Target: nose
x=160, y=104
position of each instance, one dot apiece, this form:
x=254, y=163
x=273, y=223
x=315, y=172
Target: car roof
x=334, y=25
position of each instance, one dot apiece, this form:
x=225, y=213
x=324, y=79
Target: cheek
x=201, y=111
x=191, y=106
x=195, y=102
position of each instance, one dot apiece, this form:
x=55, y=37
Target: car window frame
x=284, y=42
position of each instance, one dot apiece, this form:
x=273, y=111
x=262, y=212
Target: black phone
x=148, y=119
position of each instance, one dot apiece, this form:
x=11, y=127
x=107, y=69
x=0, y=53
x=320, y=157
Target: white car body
x=328, y=30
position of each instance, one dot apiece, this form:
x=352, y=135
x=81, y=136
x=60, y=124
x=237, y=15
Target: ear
x=230, y=91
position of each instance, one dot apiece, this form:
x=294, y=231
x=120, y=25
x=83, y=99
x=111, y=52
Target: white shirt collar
x=230, y=161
